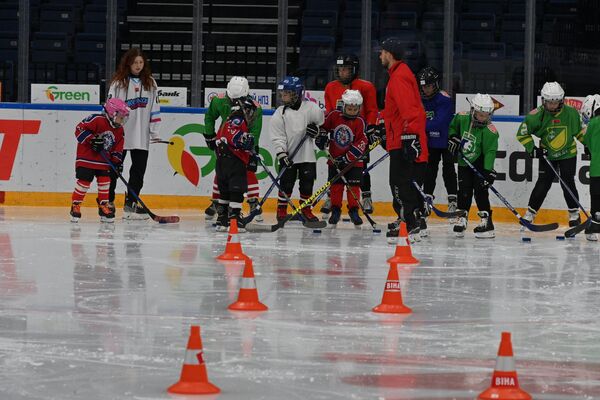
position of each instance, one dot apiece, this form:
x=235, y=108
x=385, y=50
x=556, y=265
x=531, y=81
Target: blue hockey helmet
x=291, y=85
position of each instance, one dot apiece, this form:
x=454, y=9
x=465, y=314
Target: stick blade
x=577, y=229
x=261, y=228
x=445, y=214
x=538, y=228
x=171, y=219
x=315, y=224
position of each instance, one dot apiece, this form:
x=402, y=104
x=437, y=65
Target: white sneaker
x=592, y=237
x=529, y=217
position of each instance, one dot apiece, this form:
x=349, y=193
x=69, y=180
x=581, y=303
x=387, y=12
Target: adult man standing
x=404, y=117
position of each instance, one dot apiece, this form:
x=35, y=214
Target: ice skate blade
x=485, y=235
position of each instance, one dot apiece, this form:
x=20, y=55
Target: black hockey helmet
x=428, y=76
x=349, y=61
x=394, y=46
x=247, y=106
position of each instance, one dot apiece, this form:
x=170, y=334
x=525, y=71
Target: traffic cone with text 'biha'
x=233, y=248
x=505, y=384
x=403, y=254
x=248, y=296
x=392, y=295
x=194, y=379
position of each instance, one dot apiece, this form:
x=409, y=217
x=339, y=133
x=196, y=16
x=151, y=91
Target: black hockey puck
x=376, y=230
x=346, y=219
x=526, y=239
x=316, y=231
x=558, y=237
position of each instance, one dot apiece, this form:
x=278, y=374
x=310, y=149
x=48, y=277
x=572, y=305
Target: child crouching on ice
x=345, y=132
x=96, y=134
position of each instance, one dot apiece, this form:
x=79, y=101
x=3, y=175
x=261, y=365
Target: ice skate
x=367, y=203
x=423, y=231
x=255, y=208
x=574, y=217
x=326, y=208
x=485, y=229
x=308, y=214
x=237, y=214
x=336, y=214
x=529, y=217
x=75, y=211
x=222, y=217
x=106, y=215
x=452, y=206
x=133, y=211
x=593, y=229
x=354, y=217
x=211, y=210
x=460, y=227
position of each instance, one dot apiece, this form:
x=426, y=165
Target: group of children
x=298, y=127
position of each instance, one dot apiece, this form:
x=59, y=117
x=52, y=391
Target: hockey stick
x=578, y=228
x=172, y=219
x=522, y=221
x=443, y=214
x=163, y=141
x=307, y=224
x=349, y=190
x=316, y=196
x=376, y=163
x=255, y=212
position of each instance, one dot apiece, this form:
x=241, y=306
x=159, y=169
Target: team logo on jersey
x=557, y=137
x=343, y=136
x=430, y=115
x=138, y=102
x=109, y=139
x=469, y=142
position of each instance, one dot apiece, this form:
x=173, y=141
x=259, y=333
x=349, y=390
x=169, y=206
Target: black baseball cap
x=394, y=46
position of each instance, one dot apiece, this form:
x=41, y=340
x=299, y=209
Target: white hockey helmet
x=552, y=91
x=351, y=98
x=589, y=109
x=238, y=87
x=482, y=103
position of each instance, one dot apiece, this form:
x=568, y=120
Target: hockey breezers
x=307, y=224
x=576, y=229
x=522, y=221
x=316, y=196
x=437, y=211
x=349, y=190
x=172, y=219
x=255, y=212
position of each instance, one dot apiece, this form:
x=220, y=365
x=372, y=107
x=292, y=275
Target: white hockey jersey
x=287, y=129
x=144, y=118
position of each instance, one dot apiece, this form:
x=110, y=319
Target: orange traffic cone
x=233, y=249
x=194, y=379
x=505, y=384
x=403, y=254
x=248, y=296
x=392, y=295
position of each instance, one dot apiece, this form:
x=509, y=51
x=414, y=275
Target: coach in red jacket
x=406, y=139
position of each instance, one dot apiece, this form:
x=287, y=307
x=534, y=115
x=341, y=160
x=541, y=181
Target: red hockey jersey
x=232, y=132
x=346, y=136
x=333, y=98
x=97, y=125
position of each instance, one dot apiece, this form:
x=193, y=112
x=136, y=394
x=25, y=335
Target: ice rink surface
x=103, y=311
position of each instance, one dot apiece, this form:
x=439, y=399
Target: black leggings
x=402, y=173
x=306, y=173
x=566, y=169
x=595, y=194
x=139, y=161
x=448, y=171
x=468, y=183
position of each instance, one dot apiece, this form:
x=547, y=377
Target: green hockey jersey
x=220, y=107
x=477, y=141
x=556, y=132
x=591, y=140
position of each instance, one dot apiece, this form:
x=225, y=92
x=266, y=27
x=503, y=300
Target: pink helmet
x=116, y=108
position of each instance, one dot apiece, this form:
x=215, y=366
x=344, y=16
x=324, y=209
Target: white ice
x=100, y=311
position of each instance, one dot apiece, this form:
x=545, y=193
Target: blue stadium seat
x=484, y=64
x=9, y=17
x=405, y=6
x=317, y=52
x=434, y=54
x=478, y=27
x=94, y=19
x=322, y=5
x=513, y=28
x=352, y=27
x=49, y=47
x=59, y=18
x=9, y=44
x=485, y=6
x=486, y=51
x=433, y=26
x=90, y=48
x=401, y=25
x=319, y=23
x=560, y=30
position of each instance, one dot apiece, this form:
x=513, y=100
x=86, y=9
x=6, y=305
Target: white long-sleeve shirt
x=144, y=118
x=287, y=129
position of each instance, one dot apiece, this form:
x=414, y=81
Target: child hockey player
x=474, y=137
x=220, y=107
x=95, y=134
x=555, y=124
x=347, y=142
x=234, y=145
x=591, y=116
x=290, y=122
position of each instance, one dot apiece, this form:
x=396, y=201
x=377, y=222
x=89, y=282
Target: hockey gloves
x=253, y=163
x=312, y=131
x=211, y=142
x=454, y=145
x=376, y=132
x=538, y=152
x=490, y=177
x=341, y=162
x=97, y=143
x=284, y=160
x=246, y=141
x=411, y=147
